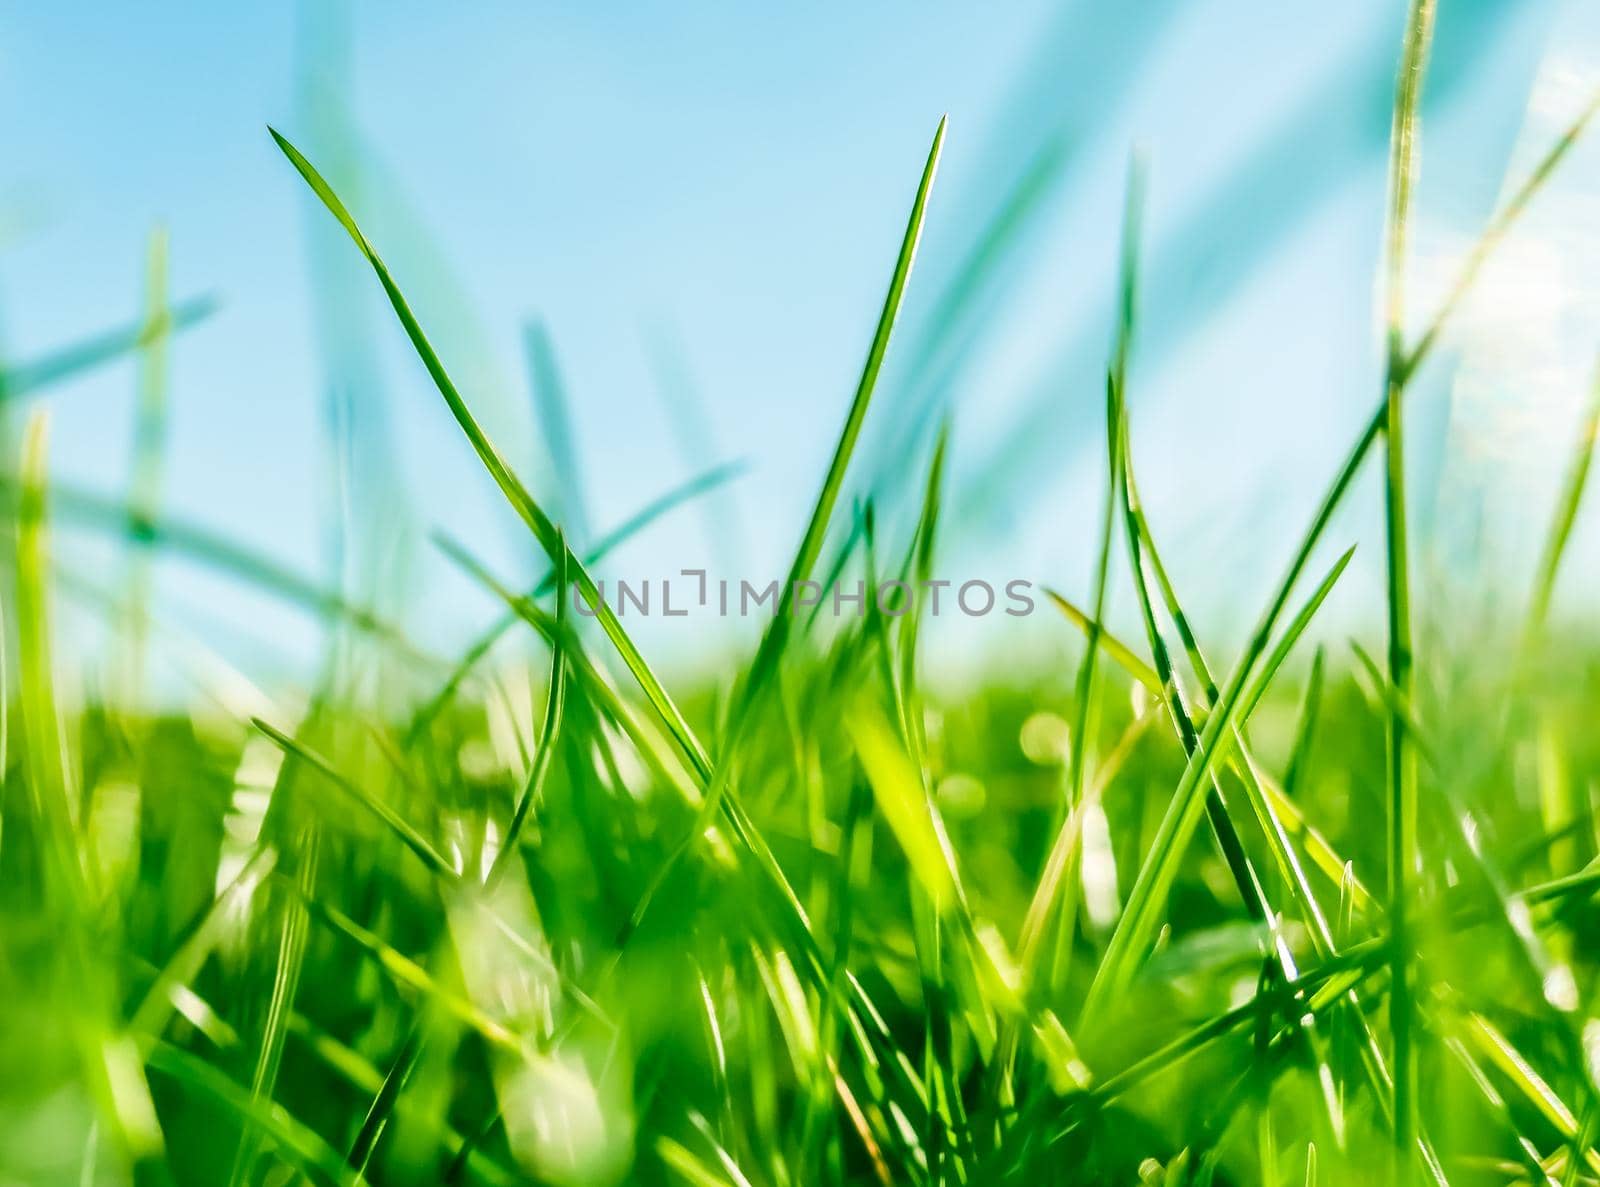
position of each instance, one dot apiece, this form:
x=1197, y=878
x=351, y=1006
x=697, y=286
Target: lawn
x=1283, y=913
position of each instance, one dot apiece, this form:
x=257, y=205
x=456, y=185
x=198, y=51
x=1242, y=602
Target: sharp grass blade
x=555, y=703
x=1305, y=732
x=532, y=514
x=404, y=831
x=1137, y=926
x=776, y=637
x=625, y=531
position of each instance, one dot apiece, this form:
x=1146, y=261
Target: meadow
x=1281, y=913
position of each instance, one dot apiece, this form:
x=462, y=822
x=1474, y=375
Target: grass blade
x=402, y=829
x=1401, y=768
x=1566, y=513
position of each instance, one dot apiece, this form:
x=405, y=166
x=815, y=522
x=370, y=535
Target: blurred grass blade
x=1566, y=512
x=904, y=805
x=73, y=361
x=555, y=420
x=555, y=703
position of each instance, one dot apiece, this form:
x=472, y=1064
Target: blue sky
x=724, y=185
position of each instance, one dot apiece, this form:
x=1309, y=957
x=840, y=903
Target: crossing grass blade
x=70, y=362
x=531, y=513
x=874, y=810
x=1135, y=929
x=630, y=527
x=227, y=556
x=555, y=704
x=406, y=833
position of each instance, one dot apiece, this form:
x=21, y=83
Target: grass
x=814, y=921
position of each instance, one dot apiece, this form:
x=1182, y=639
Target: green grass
x=813, y=920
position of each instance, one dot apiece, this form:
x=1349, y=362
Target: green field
x=1286, y=913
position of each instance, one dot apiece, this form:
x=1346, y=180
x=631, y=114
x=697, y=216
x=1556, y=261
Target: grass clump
x=814, y=922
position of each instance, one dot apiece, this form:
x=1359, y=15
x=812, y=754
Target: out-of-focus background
x=685, y=217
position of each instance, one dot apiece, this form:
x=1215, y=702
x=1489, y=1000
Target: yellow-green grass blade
x=1566, y=512
x=54, y=801
x=407, y=833
x=108, y=1060
x=1124, y=656
x=903, y=803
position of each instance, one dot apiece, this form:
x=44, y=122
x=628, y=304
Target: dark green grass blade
x=810, y=548
x=1245, y=878
x=1137, y=925
x=306, y=1150
x=630, y=527
x=555, y=703
x=387, y=1099
x=776, y=637
x=531, y=513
